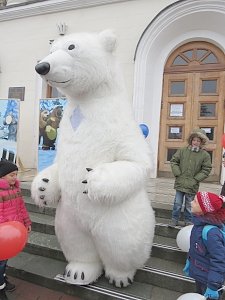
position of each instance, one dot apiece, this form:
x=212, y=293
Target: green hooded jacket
x=189, y=168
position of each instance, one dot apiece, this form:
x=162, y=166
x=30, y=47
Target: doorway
x=193, y=97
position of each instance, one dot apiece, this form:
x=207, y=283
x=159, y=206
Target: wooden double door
x=193, y=97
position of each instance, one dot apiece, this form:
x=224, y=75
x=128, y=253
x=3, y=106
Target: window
x=209, y=86
x=177, y=88
x=207, y=110
x=170, y=153
x=209, y=132
x=176, y=110
x=193, y=56
x=175, y=132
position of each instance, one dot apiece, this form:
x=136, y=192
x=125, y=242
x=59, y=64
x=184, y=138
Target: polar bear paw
x=96, y=185
x=120, y=279
x=44, y=190
x=82, y=273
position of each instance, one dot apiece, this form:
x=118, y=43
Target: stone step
x=167, y=259
x=47, y=245
x=32, y=207
x=43, y=222
x=42, y=270
x=164, y=240
x=162, y=274
x=160, y=190
x=162, y=211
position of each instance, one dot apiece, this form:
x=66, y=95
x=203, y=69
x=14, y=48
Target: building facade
x=171, y=53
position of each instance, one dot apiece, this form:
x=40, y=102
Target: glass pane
x=209, y=86
x=188, y=54
x=177, y=110
x=170, y=153
x=175, y=132
x=207, y=110
x=201, y=53
x=209, y=132
x=179, y=61
x=210, y=59
x=177, y=88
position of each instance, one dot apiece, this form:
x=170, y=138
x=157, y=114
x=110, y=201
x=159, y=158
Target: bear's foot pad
x=82, y=273
x=120, y=279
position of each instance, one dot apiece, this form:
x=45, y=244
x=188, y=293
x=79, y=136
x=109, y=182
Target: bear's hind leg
x=84, y=264
x=122, y=254
x=124, y=238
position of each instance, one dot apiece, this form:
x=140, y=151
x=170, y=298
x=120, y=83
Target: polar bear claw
x=45, y=189
x=82, y=274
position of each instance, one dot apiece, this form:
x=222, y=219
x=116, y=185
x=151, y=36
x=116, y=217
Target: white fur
x=112, y=225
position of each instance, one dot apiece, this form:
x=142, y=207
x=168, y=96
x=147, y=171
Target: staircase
x=161, y=278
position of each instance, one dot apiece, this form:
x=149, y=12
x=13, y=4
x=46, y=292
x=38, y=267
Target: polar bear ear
x=108, y=40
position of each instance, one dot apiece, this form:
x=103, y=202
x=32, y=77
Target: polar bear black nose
x=42, y=68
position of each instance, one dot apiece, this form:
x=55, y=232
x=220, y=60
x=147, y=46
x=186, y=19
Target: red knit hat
x=210, y=202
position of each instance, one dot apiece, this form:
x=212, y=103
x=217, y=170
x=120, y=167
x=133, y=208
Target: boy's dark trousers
x=201, y=288
x=223, y=190
x=2, y=271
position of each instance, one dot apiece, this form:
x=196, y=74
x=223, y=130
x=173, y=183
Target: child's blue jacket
x=207, y=259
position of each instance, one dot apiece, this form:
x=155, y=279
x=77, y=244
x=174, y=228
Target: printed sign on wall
x=9, y=120
x=51, y=112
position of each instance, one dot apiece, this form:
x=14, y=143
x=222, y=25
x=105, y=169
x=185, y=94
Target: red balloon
x=223, y=140
x=13, y=238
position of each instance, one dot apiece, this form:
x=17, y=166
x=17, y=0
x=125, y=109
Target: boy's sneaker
x=173, y=223
x=10, y=287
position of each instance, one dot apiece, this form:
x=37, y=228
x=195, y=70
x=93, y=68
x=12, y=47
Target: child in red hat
x=206, y=258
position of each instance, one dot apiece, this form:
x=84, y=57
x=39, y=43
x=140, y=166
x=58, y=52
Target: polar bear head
x=81, y=64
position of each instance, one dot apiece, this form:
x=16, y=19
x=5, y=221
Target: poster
x=175, y=132
x=176, y=110
x=9, y=119
x=50, y=114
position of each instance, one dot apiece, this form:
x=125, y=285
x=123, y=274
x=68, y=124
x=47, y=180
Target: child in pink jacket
x=12, y=208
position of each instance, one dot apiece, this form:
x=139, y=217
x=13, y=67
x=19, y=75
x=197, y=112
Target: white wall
x=25, y=35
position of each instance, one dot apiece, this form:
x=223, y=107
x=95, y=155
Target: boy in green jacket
x=190, y=165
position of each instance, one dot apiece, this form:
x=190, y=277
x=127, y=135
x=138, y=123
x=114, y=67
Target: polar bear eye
x=71, y=47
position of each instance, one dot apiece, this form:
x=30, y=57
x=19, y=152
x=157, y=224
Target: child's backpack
x=206, y=229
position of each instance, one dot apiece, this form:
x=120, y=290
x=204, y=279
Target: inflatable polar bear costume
x=104, y=219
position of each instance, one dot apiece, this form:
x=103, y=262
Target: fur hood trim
x=200, y=133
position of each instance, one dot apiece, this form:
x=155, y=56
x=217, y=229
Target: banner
x=51, y=112
x=9, y=120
